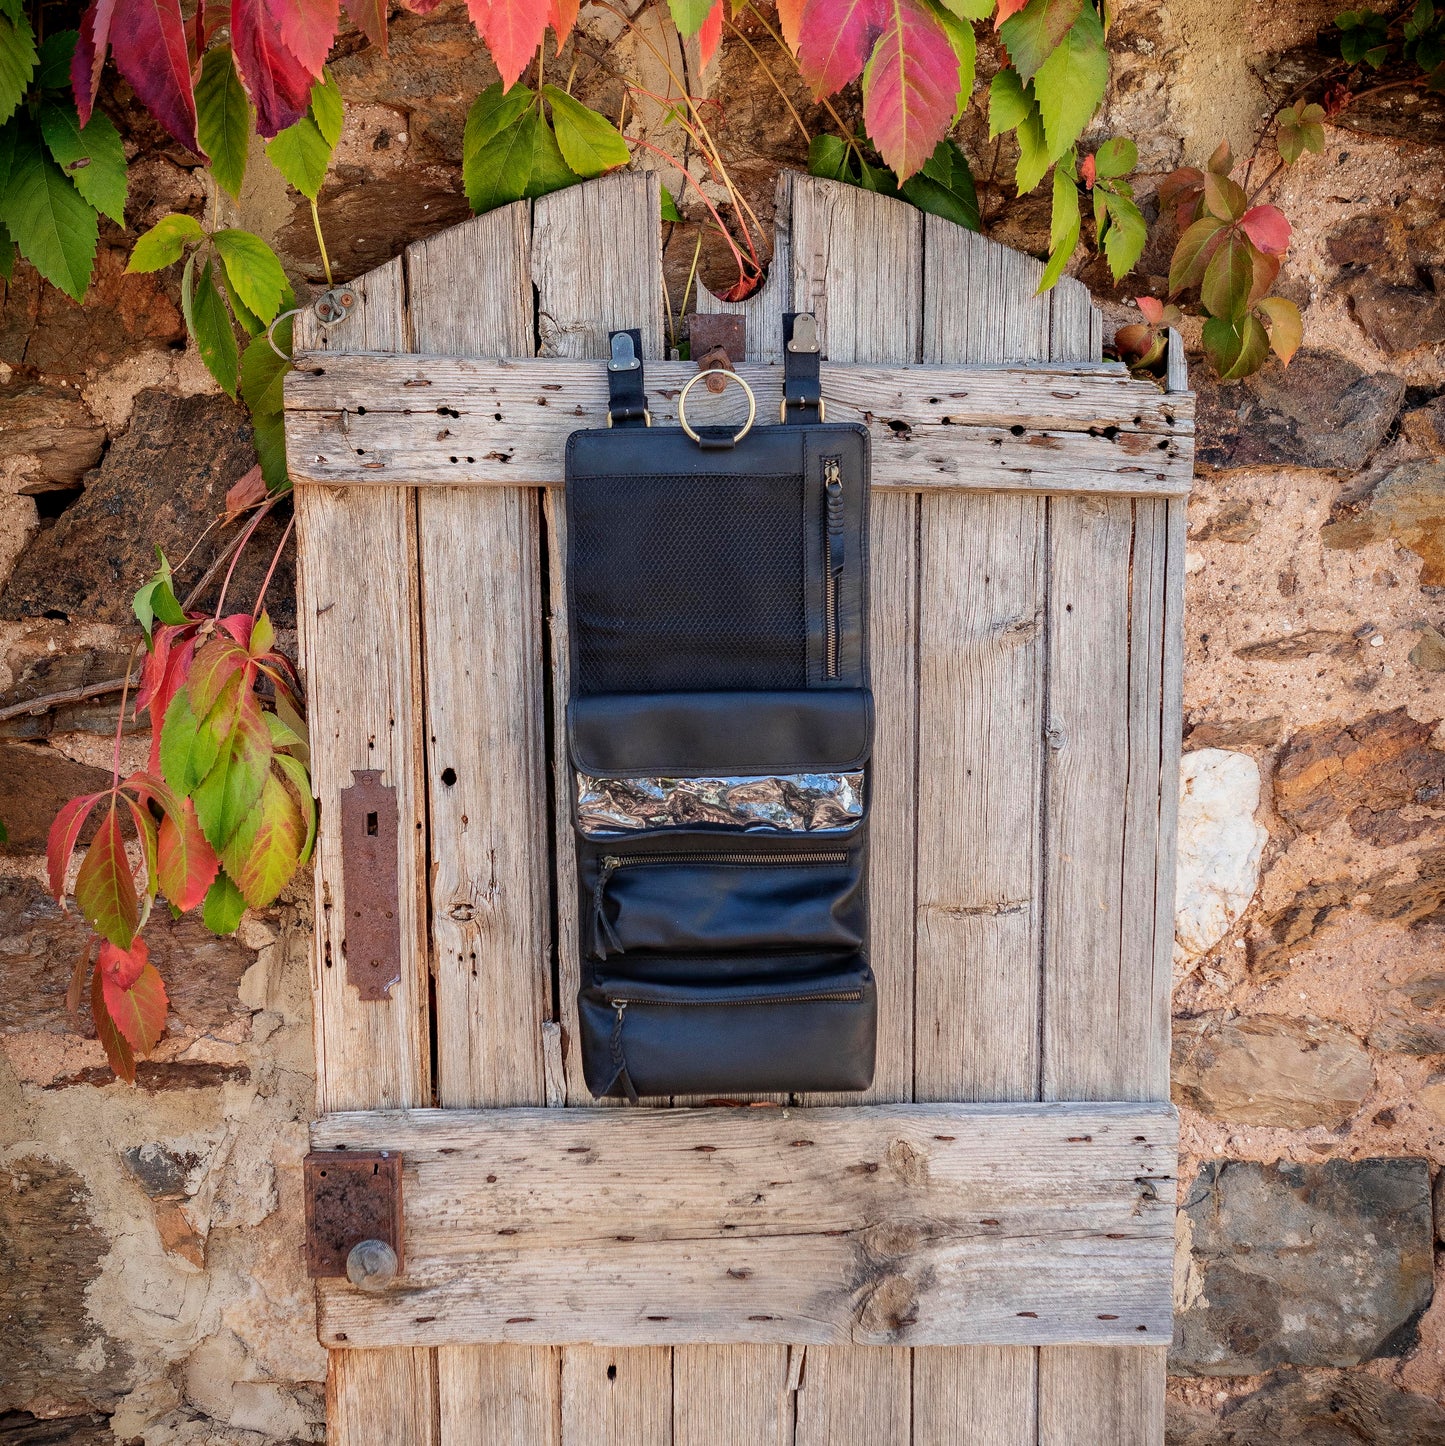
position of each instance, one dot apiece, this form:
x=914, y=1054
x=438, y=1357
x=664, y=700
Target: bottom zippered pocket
x=702, y=1025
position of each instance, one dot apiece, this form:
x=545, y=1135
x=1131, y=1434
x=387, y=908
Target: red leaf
x=513, y=29
x=75, y=992
x=1268, y=228
x=307, y=29
x=420, y=7
x=837, y=37
x=117, y=1051
x=61, y=843
x=1088, y=171
x=238, y=626
x=105, y=886
x=1007, y=8
x=214, y=666
x=369, y=17
x=145, y=828
x=245, y=493
x=148, y=42
x=120, y=968
x=188, y=864
x=710, y=33
x=562, y=16
x=910, y=87
x=1152, y=308
x=89, y=57
x=279, y=84
x=139, y=1009
x=790, y=19
x=177, y=669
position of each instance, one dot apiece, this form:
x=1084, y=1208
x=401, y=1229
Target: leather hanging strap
x=626, y=394
x=802, y=386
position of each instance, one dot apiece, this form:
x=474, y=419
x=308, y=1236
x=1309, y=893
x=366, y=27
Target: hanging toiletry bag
x=719, y=729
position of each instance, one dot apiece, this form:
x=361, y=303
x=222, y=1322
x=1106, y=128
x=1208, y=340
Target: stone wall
x=149, y=1271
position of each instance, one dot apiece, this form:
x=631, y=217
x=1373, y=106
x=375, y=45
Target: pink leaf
x=1007, y=8
x=910, y=87
x=1268, y=228
x=710, y=33
x=307, y=29
x=139, y=1008
x=89, y=57
x=835, y=41
x=148, y=41
x=1088, y=171
x=117, y=1051
x=1152, y=308
x=63, y=834
x=369, y=17
x=120, y=968
x=279, y=84
x=790, y=18
x=513, y=29
x=188, y=863
x=562, y=16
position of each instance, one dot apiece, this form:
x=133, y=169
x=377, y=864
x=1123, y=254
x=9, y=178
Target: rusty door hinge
x=354, y=1225
x=369, y=877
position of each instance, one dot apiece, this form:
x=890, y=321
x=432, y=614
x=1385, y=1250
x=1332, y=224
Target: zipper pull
x=833, y=485
x=604, y=936
x=618, y=1058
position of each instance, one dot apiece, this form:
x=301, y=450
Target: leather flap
x=649, y=735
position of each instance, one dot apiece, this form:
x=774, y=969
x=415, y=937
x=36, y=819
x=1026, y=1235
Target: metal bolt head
x=371, y=1265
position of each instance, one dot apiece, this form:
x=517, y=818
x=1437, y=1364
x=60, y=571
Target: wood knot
x=908, y=1162
x=891, y=1307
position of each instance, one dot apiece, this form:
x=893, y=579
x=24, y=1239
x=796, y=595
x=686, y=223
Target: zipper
x=845, y=996
x=604, y=936
x=832, y=558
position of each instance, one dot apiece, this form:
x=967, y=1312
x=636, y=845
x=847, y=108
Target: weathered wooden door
x=1026, y=644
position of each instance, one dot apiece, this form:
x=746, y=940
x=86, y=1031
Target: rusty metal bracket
x=717, y=344
x=353, y=1198
x=369, y=878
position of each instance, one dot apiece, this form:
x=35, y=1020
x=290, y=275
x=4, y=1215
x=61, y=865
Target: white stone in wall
x=1220, y=845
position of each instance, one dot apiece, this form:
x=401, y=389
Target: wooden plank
x=857, y=262
x=470, y=289
x=762, y=312
x=616, y=1397
x=1115, y=1396
x=455, y=422
x=731, y=1396
x=983, y=585
x=911, y=1224
x=597, y=267
x=357, y=620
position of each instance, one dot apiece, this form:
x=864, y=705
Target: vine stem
x=246, y=536
x=321, y=242
x=777, y=85
x=270, y=571
x=120, y=719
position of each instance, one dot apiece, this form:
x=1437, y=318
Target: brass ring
x=727, y=376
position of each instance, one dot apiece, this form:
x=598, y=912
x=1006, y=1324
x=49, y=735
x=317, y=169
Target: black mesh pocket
x=688, y=583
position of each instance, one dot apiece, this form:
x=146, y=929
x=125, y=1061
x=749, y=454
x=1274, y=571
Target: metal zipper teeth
x=845, y=996
x=831, y=478
x=611, y=862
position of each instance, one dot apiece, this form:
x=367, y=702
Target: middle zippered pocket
x=723, y=895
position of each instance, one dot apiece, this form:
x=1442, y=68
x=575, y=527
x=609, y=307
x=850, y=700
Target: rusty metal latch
x=369, y=878
x=354, y=1225
x=717, y=344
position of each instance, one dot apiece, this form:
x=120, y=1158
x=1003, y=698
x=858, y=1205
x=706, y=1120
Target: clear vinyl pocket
x=696, y=1025
x=722, y=893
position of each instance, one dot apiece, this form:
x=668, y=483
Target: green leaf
x=52, y=71
x=1116, y=157
x=265, y=851
x=1010, y=102
x=688, y=15
x=302, y=155
x=1033, y=153
x=828, y=157
x=18, y=58
x=53, y=224
x=327, y=109
x=262, y=372
x=105, y=887
x=210, y=324
x=589, y=142
x=878, y=179
x=1070, y=84
x=970, y=9
x=188, y=752
x=7, y=253
x=223, y=118
x=1236, y=351
x=669, y=206
x=92, y=157
x=300, y=780
x=1229, y=277
x=1035, y=31
x=549, y=171
x=268, y=436
x=496, y=148
x=254, y=271
x=223, y=906
x=1127, y=233
x=1064, y=225
x=1224, y=198
x=944, y=187
x=1192, y=253
x=156, y=600
x=164, y=243
x=965, y=48
x=227, y=794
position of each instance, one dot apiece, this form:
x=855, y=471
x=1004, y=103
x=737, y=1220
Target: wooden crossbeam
x=448, y=421
x=912, y=1224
